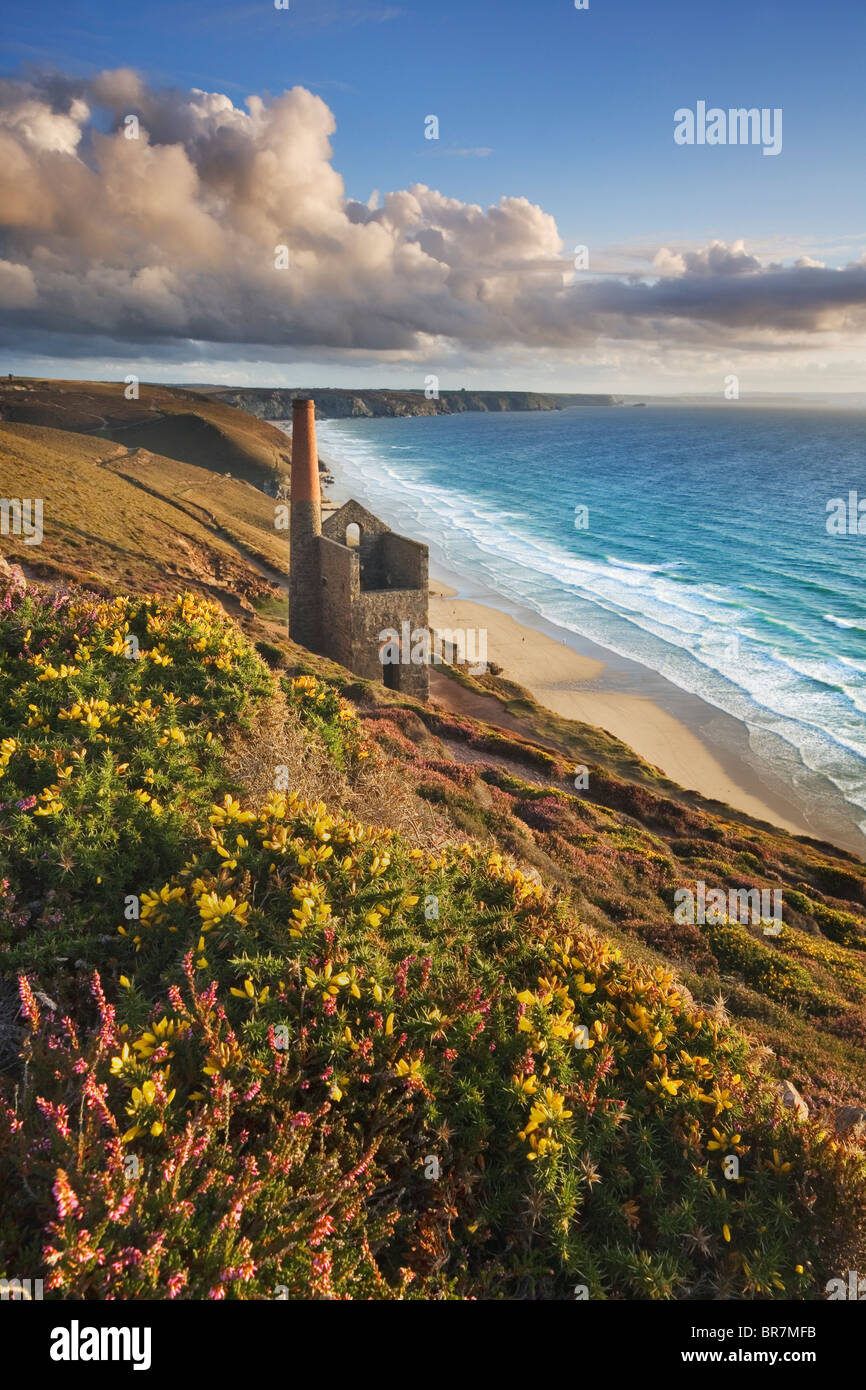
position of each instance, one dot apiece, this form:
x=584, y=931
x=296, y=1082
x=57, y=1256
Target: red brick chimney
x=305, y=459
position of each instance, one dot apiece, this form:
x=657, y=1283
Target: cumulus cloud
x=173, y=236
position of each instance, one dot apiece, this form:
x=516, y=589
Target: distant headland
x=334, y=403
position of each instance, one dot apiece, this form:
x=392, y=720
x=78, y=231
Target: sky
x=406, y=256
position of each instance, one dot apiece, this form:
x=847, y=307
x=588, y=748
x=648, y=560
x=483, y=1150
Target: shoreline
x=692, y=742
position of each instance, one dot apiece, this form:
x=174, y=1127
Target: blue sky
x=572, y=110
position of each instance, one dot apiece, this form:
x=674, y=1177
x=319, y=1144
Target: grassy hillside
x=183, y=425
x=128, y=518
x=622, y=848
x=305, y=986
x=265, y=1048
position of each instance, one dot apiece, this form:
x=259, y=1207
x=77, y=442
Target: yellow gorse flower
x=213, y=909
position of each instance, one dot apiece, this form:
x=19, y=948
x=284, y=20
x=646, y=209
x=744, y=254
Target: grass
x=151, y=524
x=184, y=425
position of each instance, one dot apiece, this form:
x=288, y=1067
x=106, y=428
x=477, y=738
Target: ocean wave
x=844, y=622
x=713, y=639
x=644, y=568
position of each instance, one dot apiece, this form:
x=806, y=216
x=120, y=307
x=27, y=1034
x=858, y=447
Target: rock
x=11, y=574
x=850, y=1118
x=792, y=1100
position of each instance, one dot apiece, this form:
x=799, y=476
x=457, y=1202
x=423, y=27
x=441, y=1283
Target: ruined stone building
x=352, y=579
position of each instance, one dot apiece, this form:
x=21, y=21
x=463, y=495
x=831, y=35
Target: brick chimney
x=305, y=584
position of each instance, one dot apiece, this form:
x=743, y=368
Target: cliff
x=276, y=404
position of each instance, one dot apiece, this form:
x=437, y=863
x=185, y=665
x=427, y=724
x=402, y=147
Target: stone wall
x=304, y=580
x=340, y=588
x=405, y=561
x=375, y=613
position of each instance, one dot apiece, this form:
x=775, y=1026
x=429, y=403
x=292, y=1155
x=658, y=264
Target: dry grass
x=122, y=524
x=379, y=793
x=184, y=425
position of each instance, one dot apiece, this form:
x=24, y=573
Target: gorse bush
x=622, y=851
x=110, y=720
x=322, y=709
x=314, y=1060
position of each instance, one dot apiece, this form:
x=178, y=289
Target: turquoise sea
x=706, y=554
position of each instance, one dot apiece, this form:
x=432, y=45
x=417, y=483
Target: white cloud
x=171, y=237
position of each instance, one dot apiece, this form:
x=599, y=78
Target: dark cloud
x=172, y=237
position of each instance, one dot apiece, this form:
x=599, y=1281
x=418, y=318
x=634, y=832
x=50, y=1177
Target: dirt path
x=486, y=709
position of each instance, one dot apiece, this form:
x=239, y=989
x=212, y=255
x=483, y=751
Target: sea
x=693, y=540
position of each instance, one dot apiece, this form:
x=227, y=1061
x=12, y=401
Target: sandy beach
x=576, y=686
x=695, y=744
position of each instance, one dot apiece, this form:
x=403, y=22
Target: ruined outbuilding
x=352, y=579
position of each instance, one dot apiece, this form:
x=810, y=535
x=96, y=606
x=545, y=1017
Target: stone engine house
x=351, y=578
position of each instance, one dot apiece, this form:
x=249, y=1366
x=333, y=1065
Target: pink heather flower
x=95, y=1094
x=321, y=1270
x=232, y=1218
x=323, y=1228
x=58, y=1113
x=401, y=975
x=301, y=1120
x=108, y=1032
x=119, y=1211
x=29, y=1007
x=450, y=1054
x=63, y=1195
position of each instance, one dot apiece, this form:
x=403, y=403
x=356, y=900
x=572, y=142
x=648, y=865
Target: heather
x=621, y=848
x=259, y=1047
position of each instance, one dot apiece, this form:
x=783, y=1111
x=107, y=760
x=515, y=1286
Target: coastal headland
x=338, y=404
